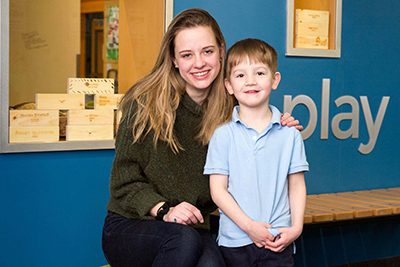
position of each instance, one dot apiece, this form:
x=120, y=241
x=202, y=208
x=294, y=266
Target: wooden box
x=90, y=86
x=60, y=101
x=34, y=134
x=90, y=116
x=107, y=101
x=89, y=132
x=31, y=117
x=315, y=16
x=312, y=29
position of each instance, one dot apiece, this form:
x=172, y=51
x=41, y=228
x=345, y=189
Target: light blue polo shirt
x=257, y=166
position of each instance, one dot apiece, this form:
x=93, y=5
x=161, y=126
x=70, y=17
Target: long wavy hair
x=156, y=97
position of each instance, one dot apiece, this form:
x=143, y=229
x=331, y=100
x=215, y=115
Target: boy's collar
x=276, y=115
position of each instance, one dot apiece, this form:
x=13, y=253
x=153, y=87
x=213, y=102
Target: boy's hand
x=288, y=120
x=259, y=233
x=287, y=236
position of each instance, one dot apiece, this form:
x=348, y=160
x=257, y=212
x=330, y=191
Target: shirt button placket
x=254, y=137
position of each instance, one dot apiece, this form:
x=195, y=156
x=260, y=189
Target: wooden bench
x=343, y=206
x=350, y=205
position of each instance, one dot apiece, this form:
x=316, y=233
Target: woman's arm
x=129, y=187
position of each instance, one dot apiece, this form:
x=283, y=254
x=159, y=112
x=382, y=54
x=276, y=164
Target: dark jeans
x=251, y=255
x=128, y=242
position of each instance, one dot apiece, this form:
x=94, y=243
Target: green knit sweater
x=144, y=175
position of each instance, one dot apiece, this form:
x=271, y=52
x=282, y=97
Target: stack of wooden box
x=312, y=29
x=96, y=123
x=43, y=123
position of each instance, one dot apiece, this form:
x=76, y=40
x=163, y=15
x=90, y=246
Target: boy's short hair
x=256, y=50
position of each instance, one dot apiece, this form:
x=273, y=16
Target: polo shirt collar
x=275, y=120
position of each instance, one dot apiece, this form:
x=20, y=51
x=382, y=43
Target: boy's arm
x=257, y=231
x=297, y=202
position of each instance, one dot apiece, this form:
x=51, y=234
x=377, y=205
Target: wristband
x=162, y=211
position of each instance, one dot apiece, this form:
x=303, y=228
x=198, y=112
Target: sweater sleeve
x=129, y=186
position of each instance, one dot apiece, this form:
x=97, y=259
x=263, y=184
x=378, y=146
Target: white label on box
x=90, y=86
x=31, y=117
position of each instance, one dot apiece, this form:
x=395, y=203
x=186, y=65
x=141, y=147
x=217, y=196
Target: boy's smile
x=251, y=83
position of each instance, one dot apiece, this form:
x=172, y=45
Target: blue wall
x=368, y=67
x=53, y=204
x=52, y=208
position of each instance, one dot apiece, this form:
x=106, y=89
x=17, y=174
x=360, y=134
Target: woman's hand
x=184, y=213
x=288, y=120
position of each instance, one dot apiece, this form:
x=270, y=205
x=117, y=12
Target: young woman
x=158, y=212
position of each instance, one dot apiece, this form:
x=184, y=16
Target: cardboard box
x=107, y=101
x=34, y=134
x=32, y=117
x=90, y=86
x=60, y=101
x=90, y=116
x=89, y=132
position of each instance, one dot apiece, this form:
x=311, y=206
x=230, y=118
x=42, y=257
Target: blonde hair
x=156, y=97
x=254, y=50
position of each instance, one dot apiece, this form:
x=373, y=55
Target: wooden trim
x=92, y=6
x=140, y=34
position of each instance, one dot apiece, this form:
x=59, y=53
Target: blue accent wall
x=52, y=208
x=368, y=67
x=53, y=204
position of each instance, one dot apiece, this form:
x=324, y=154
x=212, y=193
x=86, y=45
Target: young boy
x=256, y=165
